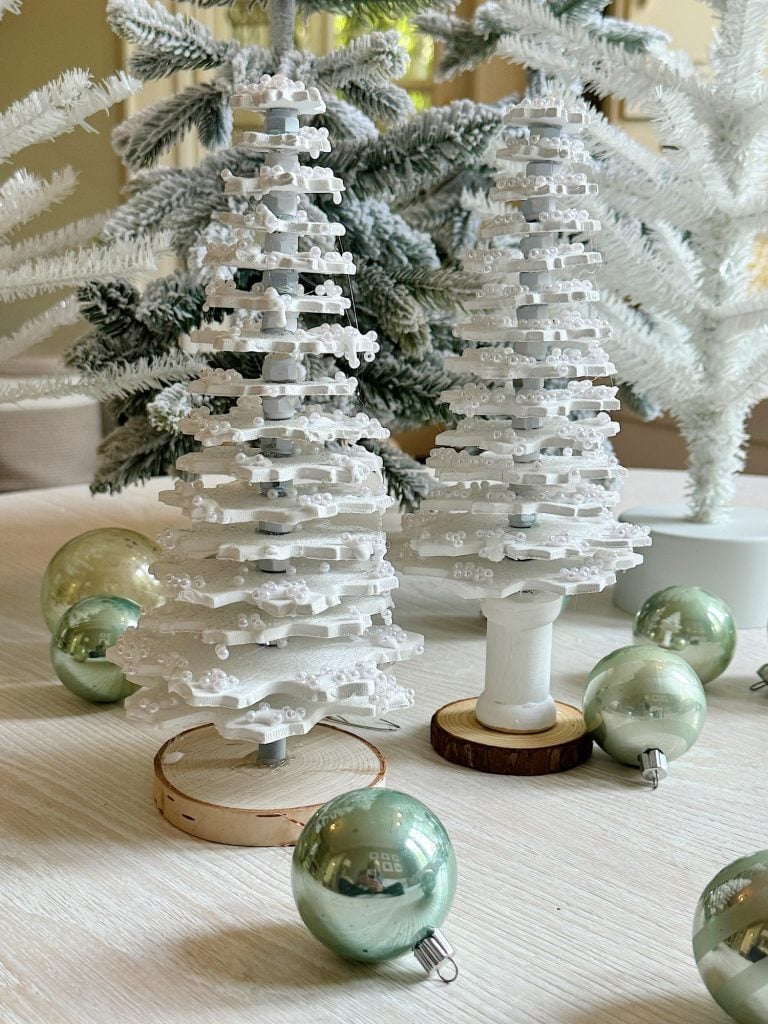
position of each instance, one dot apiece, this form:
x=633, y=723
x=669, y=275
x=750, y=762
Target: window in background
x=324, y=32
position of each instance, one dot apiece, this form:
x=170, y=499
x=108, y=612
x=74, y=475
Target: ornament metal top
x=522, y=509
x=280, y=591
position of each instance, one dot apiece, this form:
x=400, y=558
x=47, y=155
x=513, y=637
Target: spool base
x=458, y=736
x=729, y=559
x=211, y=788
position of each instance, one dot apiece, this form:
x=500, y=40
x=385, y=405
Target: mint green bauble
x=79, y=645
x=729, y=938
x=644, y=698
x=374, y=873
x=692, y=623
x=109, y=560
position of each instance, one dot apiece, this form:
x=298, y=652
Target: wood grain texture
x=213, y=789
x=576, y=891
x=457, y=735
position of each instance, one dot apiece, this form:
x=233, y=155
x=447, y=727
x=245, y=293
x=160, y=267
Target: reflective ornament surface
x=730, y=938
x=692, y=623
x=374, y=873
x=79, y=644
x=644, y=698
x=110, y=560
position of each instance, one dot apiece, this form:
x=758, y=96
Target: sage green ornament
x=374, y=875
x=80, y=642
x=729, y=938
x=644, y=705
x=693, y=623
x=109, y=560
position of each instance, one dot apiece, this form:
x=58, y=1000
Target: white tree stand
x=728, y=558
x=279, y=593
x=522, y=518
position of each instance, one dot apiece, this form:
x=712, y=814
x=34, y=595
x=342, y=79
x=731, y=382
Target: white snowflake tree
x=680, y=226
x=522, y=516
x=279, y=591
x=67, y=257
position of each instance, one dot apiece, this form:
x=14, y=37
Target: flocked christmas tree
x=522, y=517
x=68, y=257
x=279, y=591
x=405, y=174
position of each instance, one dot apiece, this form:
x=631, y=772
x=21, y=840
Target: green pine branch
x=413, y=158
x=408, y=482
x=143, y=138
x=638, y=403
x=405, y=394
x=366, y=11
x=134, y=453
x=443, y=289
x=400, y=316
x=165, y=43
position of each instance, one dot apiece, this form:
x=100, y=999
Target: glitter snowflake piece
x=522, y=506
x=279, y=594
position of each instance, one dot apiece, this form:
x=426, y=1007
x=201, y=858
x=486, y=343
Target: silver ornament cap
x=653, y=766
x=435, y=954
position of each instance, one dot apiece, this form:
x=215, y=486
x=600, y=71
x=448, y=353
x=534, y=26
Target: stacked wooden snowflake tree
x=522, y=517
x=279, y=591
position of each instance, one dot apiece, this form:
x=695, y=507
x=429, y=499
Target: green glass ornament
x=80, y=642
x=374, y=875
x=110, y=560
x=730, y=929
x=642, y=702
x=692, y=623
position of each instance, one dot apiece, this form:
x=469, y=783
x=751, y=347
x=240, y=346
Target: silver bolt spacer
x=433, y=952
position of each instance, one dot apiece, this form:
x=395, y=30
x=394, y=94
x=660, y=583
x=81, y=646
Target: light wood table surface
x=576, y=891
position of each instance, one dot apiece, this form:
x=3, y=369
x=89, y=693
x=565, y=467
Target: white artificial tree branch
x=739, y=57
x=39, y=328
x=542, y=40
x=60, y=106
x=113, y=382
x=68, y=237
x=636, y=346
x=632, y=258
x=24, y=196
x=70, y=269
x=694, y=160
x=681, y=258
x=9, y=7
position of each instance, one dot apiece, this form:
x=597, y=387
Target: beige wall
x=47, y=38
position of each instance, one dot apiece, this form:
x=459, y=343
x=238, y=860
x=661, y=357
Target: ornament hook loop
x=763, y=680
x=451, y=977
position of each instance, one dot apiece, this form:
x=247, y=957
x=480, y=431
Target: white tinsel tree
x=279, y=592
x=67, y=257
x=522, y=515
x=680, y=226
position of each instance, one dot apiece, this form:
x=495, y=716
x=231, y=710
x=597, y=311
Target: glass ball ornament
x=80, y=642
x=374, y=876
x=690, y=622
x=109, y=560
x=729, y=938
x=642, y=701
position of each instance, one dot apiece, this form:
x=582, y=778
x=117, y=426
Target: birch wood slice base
x=458, y=736
x=211, y=787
